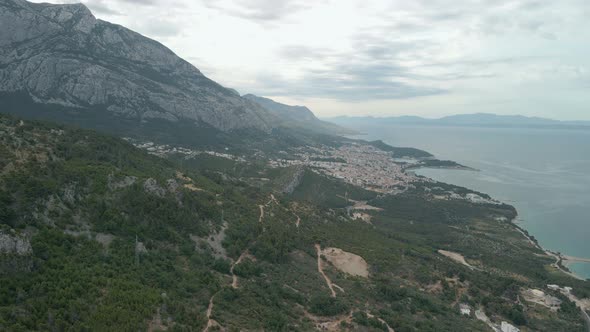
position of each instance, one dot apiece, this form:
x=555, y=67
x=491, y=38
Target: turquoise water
x=544, y=173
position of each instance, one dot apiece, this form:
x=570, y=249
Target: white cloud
x=425, y=57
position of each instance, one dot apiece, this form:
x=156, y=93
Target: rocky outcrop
x=124, y=182
x=151, y=186
x=14, y=244
x=295, y=181
x=62, y=55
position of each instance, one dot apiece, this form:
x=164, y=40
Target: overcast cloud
x=348, y=57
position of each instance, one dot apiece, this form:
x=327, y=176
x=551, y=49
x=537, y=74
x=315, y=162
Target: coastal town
x=359, y=164
x=356, y=163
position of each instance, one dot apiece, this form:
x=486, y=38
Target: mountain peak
x=69, y=16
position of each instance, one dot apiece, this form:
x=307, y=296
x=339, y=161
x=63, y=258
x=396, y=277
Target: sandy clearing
x=435, y=288
x=181, y=176
x=539, y=297
x=362, y=216
x=347, y=262
x=456, y=257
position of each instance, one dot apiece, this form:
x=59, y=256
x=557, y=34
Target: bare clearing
x=347, y=262
x=539, y=297
x=362, y=216
x=456, y=257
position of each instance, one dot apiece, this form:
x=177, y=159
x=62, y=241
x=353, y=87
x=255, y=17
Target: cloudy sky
x=360, y=57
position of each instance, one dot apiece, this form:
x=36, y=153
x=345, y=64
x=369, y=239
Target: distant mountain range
x=475, y=120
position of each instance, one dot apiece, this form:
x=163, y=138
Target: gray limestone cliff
x=62, y=55
x=14, y=244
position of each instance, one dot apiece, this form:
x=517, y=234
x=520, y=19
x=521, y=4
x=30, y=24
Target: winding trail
x=210, y=322
x=261, y=207
x=389, y=329
x=321, y=270
x=273, y=199
x=298, y=222
x=234, y=283
x=340, y=288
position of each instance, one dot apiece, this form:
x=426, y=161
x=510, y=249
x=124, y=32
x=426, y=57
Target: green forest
x=97, y=235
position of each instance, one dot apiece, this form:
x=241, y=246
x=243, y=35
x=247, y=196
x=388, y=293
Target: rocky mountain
x=298, y=116
x=62, y=56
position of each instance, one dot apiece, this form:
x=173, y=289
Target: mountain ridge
x=298, y=115
x=63, y=55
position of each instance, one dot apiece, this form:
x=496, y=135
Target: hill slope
x=300, y=116
x=98, y=235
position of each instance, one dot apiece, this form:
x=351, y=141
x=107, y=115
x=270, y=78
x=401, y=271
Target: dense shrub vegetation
x=122, y=240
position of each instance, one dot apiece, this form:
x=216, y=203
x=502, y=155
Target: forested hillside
x=96, y=234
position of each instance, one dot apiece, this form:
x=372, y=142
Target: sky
x=428, y=58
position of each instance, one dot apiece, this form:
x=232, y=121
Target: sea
x=544, y=173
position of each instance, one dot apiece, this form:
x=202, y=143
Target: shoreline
x=452, y=168
x=560, y=259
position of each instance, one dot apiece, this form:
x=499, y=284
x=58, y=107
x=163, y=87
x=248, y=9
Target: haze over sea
x=544, y=173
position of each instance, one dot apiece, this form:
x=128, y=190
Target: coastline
x=459, y=167
x=560, y=259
